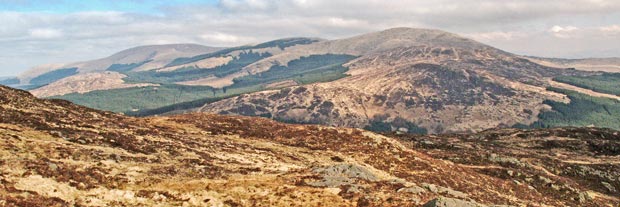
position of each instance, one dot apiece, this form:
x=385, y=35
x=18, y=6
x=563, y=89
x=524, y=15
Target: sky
x=62, y=31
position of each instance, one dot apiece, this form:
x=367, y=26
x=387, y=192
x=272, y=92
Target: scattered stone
x=401, y=181
x=451, y=202
x=431, y=187
x=545, y=180
x=117, y=157
x=355, y=189
x=505, y=160
x=52, y=166
x=427, y=143
x=413, y=190
x=334, y=191
x=583, y=197
x=337, y=159
x=342, y=174
x=609, y=187
x=443, y=190
x=81, y=186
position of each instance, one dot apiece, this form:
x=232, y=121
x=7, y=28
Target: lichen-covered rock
x=451, y=202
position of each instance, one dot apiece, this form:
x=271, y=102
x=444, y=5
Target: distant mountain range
x=402, y=79
x=9, y=80
x=137, y=59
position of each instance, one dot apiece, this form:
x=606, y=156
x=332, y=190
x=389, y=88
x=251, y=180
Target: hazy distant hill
x=134, y=59
x=9, y=80
x=588, y=64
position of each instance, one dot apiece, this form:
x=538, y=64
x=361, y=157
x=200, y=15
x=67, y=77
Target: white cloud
x=494, y=36
x=589, y=24
x=559, y=29
x=45, y=33
x=340, y=22
x=221, y=38
x=246, y=4
x=564, y=32
x=610, y=30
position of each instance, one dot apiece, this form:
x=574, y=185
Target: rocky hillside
x=55, y=153
x=412, y=80
x=561, y=161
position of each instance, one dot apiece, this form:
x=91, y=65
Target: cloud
x=246, y=4
x=564, y=32
x=42, y=37
x=610, y=30
x=45, y=33
x=494, y=36
x=559, y=29
x=221, y=38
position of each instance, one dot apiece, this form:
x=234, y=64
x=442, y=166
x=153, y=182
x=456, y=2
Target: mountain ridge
x=407, y=79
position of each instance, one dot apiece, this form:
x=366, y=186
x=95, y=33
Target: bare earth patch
x=206, y=63
x=213, y=81
x=281, y=84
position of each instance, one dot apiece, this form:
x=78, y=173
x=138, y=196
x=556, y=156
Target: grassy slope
x=583, y=110
x=314, y=68
x=131, y=99
x=605, y=83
